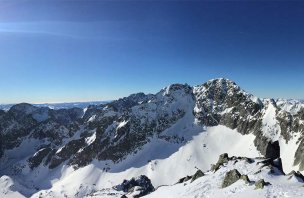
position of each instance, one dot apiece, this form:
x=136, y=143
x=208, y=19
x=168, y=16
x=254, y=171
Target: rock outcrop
x=260, y=184
x=231, y=177
x=139, y=186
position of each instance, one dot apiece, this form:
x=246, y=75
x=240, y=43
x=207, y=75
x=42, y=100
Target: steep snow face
x=175, y=97
x=122, y=124
x=270, y=125
x=288, y=150
x=91, y=139
x=92, y=118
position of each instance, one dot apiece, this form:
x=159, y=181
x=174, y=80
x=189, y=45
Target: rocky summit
x=44, y=150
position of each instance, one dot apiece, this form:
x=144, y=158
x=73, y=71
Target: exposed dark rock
x=38, y=157
x=22, y=109
x=301, y=114
x=286, y=121
x=1, y=147
x=231, y=177
x=278, y=164
x=184, y=179
x=68, y=150
x=273, y=150
x=246, y=159
x=245, y=178
x=260, y=184
x=223, y=159
x=275, y=165
x=130, y=101
x=297, y=174
x=267, y=148
x=299, y=156
x=257, y=172
x=221, y=94
x=66, y=116
x=142, y=184
x=197, y=175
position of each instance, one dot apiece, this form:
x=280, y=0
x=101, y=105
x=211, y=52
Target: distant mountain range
x=210, y=140
x=64, y=105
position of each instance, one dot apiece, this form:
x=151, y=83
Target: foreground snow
x=210, y=184
x=164, y=163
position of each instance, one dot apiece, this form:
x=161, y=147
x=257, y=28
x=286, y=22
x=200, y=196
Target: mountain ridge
x=113, y=134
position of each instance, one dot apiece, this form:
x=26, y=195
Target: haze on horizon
x=69, y=51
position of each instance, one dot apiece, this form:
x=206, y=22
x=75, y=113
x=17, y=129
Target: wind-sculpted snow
x=163, y=135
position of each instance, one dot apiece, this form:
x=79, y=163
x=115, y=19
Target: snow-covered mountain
x=88, y=152
x=65, y=105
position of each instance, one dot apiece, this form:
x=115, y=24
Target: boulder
x=260, y=184
x=221, y=161
x=141, y=185
x=231, y=177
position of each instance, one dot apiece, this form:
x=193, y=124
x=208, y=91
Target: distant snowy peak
x=66, y=105
x=290, y=105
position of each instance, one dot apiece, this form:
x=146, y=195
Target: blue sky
x=59, y=51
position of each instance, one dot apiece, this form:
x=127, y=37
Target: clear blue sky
x=77, y=50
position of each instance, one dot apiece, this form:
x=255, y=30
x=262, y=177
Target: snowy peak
x=181, y=125
x=220, y=86
x=176, y=89
x=222, y=101
x=221, y=90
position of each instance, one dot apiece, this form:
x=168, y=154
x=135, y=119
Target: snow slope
x=210, y=184
x=168, y=165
